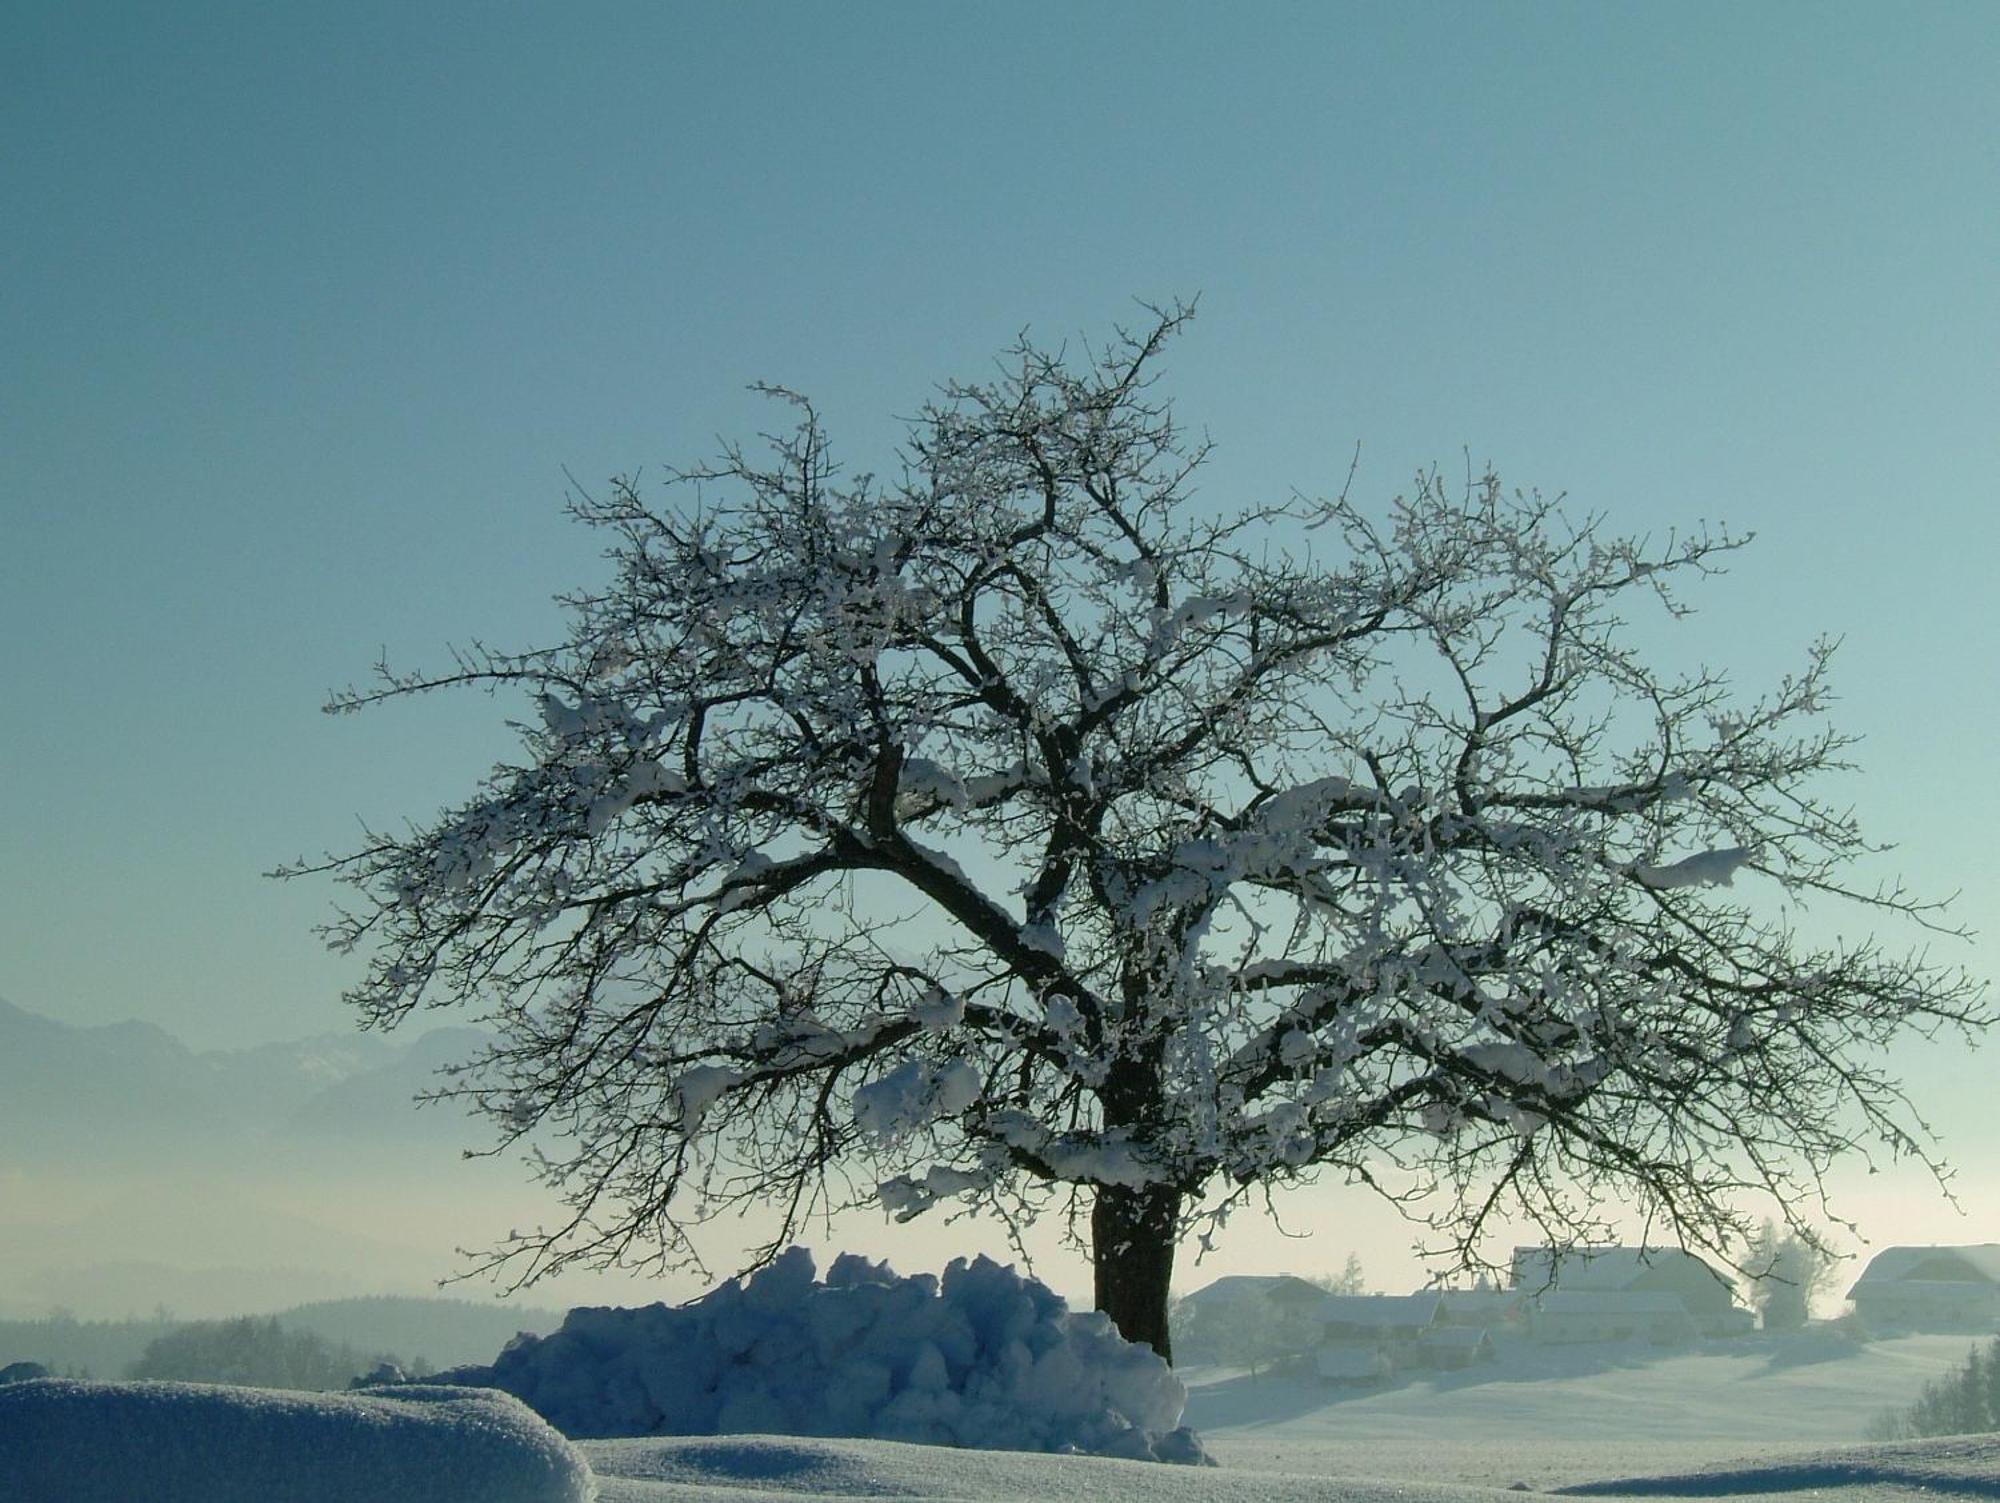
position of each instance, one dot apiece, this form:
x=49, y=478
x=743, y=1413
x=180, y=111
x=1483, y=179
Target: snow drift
x=983, y=1358
x=67, y=1441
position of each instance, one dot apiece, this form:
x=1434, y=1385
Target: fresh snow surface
x=767, y=1470
x=1757, y=1419
x=1748, y=1420
x=1708, y=869
x=66, y=1441
x=982, y=1358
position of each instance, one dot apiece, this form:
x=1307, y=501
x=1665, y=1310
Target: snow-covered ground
x=764, y=1470
x=66, y=1441
x=1755, y=1419
x=1758, y=1418
x=1550, y=1416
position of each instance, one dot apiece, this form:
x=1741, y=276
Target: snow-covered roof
x=1377, y=1310
x=1480, y=1301
x=1603, y=1268
x=1238, y=1288
x=1974, y=1263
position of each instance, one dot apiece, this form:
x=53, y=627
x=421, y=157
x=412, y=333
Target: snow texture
x=982, y=1359
x=1757, y=1419
x=1709, y=869
x=67, y=1441
x=911, y=1096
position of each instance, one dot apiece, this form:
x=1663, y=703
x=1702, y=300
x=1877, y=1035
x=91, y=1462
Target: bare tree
x=1350, y=1280
x=1017, y=834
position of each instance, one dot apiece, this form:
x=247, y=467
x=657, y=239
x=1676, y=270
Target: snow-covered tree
x=1015, y=833
x=1788, y=1268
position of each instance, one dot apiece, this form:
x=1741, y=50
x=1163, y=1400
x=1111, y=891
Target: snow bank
x=982, y=1359
x=1967, y=1465
x=65, y=1441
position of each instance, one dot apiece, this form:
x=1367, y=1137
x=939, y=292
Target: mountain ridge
x=128, y=1091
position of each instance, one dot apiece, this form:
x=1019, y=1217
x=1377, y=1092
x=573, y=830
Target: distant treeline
x=315, y=1340
x=76, y=1348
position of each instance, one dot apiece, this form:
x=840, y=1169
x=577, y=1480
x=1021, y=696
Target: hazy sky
x=307, y=308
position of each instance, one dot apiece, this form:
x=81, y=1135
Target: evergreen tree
x=1965, y=1401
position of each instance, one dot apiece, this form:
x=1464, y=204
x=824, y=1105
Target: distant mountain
x=378, y=1100
x=136, y=1172
x=270, y=1082
x=131, y=1093
x=103, y=1092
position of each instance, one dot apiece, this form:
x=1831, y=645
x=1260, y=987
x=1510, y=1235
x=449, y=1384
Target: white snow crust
x=983, y=1358
x=1708, y=869
x=67, y=1441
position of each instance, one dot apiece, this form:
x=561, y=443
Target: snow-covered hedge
x=983, y=1358
x=65, y=1441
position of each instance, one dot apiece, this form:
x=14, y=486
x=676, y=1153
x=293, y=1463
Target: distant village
x=1651, y=1296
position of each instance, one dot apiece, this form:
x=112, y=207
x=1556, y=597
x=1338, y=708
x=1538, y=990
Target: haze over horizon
x=317, y=310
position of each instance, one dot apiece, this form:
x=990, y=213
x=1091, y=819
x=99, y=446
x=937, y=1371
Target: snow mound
x=68, y=1441
x=983, y=1359
x=1967, y=1465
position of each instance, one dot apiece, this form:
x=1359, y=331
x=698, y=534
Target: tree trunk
x=1132, y=1254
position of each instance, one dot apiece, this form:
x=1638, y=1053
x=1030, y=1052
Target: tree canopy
x=1018, y=832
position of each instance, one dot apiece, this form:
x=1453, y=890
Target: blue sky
x=309, y=307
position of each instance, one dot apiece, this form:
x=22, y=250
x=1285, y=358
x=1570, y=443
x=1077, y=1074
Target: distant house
x=1383, y=1320
x=1240, y=1292
x=1248, y=1319
x=1563, y=1316
x=1487, y=1309
x=1706, y=1297
x=1931, y=1288
x=1450, y=1348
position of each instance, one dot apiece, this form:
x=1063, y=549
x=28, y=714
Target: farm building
x=1248, y=1320
x=1450, y=1348
x=1488, y=1309
x=1256, y=1291
x=1930, y=1288
x=1387, y=1320
x=1564, y=1316
x=1705, y=1295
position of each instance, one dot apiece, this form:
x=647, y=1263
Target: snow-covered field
x=1756, y=1419
x=759, y=1470
x=1759, y=1419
